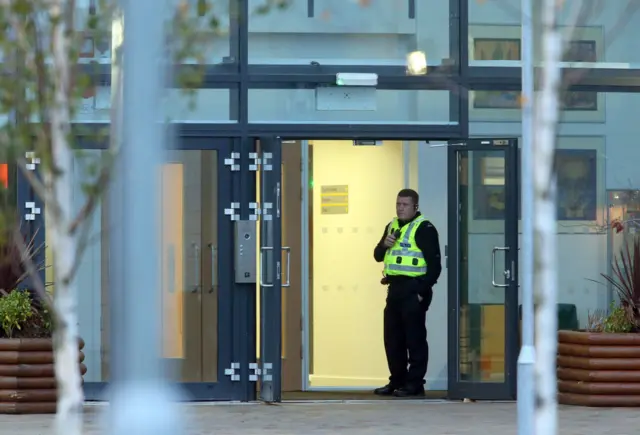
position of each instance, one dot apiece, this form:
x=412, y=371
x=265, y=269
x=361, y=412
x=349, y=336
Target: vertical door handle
x=171, y=266
x=287, y=250
x=214, y=267
x=506, y=273
x=262, y=251
x=196, y=252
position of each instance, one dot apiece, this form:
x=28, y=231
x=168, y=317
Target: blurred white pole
x=527, y=358
x=141, y=402
x=545, y=279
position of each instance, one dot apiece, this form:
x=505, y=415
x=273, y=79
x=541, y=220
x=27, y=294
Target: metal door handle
x=171, y=260
x=214, y=267
x=262, y=250
x=288, y=251
x=506, y=273
x=196, y=250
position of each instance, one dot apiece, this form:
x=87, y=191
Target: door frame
x=273, y=270
x=458, y=389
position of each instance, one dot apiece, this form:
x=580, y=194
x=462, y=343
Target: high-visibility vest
x=404, y=258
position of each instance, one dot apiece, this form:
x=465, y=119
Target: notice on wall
x=334, y=199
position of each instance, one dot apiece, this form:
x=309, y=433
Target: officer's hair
x=410, y=193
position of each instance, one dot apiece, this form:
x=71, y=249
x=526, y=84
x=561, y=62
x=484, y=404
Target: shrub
x=626, y=281
x=617, y=321
x=15, y=311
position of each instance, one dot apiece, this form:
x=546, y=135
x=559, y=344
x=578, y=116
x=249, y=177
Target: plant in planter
x=27, y=378
x=600, y=366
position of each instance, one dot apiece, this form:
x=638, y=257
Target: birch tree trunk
x=63, y=241
x=546, y=116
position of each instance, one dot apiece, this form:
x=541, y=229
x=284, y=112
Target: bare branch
x=99, y=187
x=625, y=17
x=83, y=243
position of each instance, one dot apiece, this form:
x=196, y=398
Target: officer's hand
x=389, y=241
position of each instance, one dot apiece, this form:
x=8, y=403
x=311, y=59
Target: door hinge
x=232, y=372
x=256, y=372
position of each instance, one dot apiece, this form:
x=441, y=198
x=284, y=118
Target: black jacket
x=428, y=242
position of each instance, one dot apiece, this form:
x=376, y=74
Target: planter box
x=598, y=369
x=27, y=377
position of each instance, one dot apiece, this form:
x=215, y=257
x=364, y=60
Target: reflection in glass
x=188, y=234
x=488, y=186
x=509, y=49
x=577, y=179
x=339, y=32
x=611, y=33
x=346, y=105
x=95, y=46
x=577, y=188
x=482, y=306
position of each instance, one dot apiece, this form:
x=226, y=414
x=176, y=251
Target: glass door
x=196, y=246
x=272, y=275
x=482, y=257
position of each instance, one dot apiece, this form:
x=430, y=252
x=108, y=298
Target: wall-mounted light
x=416, y=63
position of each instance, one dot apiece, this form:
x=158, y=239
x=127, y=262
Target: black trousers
x=405, y=334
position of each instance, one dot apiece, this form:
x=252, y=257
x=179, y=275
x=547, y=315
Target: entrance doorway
x=337, y=193
x=337, y=197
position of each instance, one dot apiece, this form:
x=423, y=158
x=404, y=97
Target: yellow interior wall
x=348, y=300
x=413, y=165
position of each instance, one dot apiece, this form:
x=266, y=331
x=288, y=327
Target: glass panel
x=188, y=237
x=482, y=325
x=205, y=105
x=624, y=214
x=345, y=105
x=595, y=161
x=189, y=230
x=339, y=32
x=349, y=206
x=502, y=106
x=215, y=42
x=494, y=34
x=92, y=274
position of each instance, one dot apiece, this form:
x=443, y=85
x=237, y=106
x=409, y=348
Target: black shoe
x=409, y=391
x=387, y=390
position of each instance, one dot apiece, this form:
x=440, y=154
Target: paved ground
x=359, y=418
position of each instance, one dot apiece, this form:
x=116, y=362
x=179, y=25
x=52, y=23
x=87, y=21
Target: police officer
x=410, y=250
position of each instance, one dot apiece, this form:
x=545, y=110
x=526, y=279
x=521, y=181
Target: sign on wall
x=334, y=199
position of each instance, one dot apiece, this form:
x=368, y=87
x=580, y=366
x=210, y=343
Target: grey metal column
x=141, y=402
x=526, y=359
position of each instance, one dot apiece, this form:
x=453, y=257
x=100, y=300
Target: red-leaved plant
x=626, y=280
x=12, y=267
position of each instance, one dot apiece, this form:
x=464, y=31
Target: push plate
x=245, y=252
